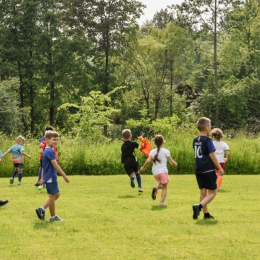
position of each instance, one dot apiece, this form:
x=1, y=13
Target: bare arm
x=24, y=153
x=215, y=161
x=149, y=159
x=172, y=162
x=5, y=153
x=59, y=170
x=227, y=155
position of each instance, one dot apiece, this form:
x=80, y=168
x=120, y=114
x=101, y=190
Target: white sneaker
x=140, y=189
x=19, y=183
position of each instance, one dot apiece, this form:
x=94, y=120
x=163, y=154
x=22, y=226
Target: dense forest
x=89, y=69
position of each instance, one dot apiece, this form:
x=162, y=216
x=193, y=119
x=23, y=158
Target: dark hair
x=158, y=140
x=48, y=127
x=49, y=134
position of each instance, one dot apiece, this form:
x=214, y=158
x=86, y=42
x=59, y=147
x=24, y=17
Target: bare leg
x=164, y=192
x=206, y=196
x=50, y=202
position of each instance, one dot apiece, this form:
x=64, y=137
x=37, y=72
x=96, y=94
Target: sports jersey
x=43, y=145
x=221, y=147
x=16, y=153
x=127, y=150
x=50, y=174
x=160, y=167
x=203, y=146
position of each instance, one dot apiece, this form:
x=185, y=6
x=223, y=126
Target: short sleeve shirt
x=221, y=147
x=16, y=153
x=160, y=167
x=50, y=174
x=127, y=150
x=203, y=146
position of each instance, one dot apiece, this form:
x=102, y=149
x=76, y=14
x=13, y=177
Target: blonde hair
x=49, y=134
x=20, y=138
x=217, y=133
x=126, y=133
x=202, y=123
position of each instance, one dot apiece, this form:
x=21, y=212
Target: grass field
x=106, y=219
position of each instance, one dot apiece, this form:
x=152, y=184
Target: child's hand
x=66, y=178
x=221, y=171
x=41, y=181
x=0, y=159
x=29, y=156
x=142, y=169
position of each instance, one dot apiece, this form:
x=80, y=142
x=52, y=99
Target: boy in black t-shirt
x=206, y=161
x=128, y=159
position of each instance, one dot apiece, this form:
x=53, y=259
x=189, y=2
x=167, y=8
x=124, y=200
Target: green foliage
x=93, y=113
x=9, y=107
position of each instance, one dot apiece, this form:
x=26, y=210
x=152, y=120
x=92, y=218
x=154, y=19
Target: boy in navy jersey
x=205, y=167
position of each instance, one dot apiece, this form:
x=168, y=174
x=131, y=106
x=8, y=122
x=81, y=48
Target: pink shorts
x=162, y=178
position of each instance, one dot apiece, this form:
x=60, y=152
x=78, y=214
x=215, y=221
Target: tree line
x=88, y=68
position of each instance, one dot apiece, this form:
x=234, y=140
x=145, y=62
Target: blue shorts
x=207, y=180
x=52, y=188
x=18, y=165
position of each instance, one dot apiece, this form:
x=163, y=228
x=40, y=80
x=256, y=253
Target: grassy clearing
x=106, y=219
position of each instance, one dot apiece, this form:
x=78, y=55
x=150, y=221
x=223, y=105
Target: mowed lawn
x=107, y=219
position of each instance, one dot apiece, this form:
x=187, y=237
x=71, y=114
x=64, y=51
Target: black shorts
x=207, y=180
x=131, y=166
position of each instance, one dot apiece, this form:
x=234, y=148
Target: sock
x=138, y=178
x=43, y=208
x=20, y=175
x=14, y=173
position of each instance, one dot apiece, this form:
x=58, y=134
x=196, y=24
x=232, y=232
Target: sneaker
x=56, y=218
x=162, y=204
x=208, y=216
x=132, y=182
x=19, y=183
x=2, y=203
x=140, y=189
x=37, y=184
x=11, y=180
x=154, y=193
x=40, y=213
x=196, y=210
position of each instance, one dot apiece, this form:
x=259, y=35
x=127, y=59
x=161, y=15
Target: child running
x=17, y=151
x=221, y=149
x=50, y=169
x=206, y=161
x=128, y=159
x=159, y=156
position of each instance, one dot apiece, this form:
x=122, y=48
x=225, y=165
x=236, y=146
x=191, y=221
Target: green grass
x=106, y=219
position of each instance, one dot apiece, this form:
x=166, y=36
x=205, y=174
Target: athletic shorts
x=207, y=180
x=52, y=188
x=18, y=165
x=162, y=178
x=131, y=166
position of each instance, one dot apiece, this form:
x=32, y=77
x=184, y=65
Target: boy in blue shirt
x=206, y=161
x=18, y=152
x=50, y=169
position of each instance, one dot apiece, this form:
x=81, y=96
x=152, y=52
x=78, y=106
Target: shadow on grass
x=222, y=191
x=207, y=222
x=158, y=208
x=40, y=224
x=126, y=197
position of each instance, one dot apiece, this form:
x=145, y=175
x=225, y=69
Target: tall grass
x=79, y=157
